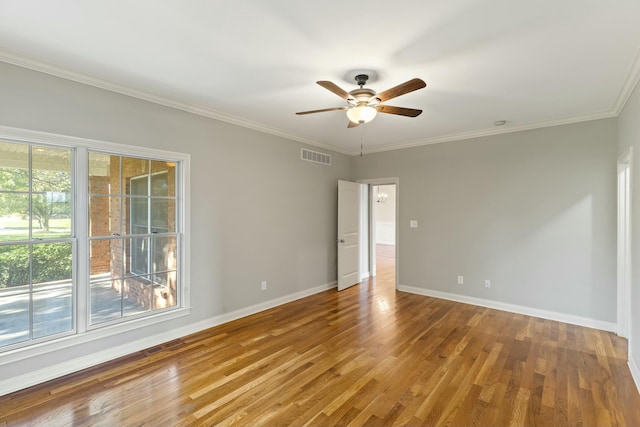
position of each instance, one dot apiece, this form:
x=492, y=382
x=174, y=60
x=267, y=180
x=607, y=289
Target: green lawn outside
x=17, y=229
x=23, y=224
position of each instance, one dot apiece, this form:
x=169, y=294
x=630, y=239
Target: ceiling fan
x=364, y=103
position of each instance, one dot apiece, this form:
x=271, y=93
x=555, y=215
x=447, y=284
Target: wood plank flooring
x=367, y=356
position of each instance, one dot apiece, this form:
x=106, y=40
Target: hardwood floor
x=366, y=356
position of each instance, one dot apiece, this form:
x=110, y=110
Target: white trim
x=635, y=372
x=87, y=79
x=633, y=76
x=70, y=341
x=81, y=218
x=55, y=371
x=624, y=244
x=513, y=308
x=491, y=131
x=365, y=267
x=46, y=138
x=372, y=249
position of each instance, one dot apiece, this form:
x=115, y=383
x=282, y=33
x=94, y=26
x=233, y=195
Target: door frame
x=371, y=247
x=624, y=176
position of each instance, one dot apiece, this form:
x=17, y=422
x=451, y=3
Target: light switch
x=413, y=223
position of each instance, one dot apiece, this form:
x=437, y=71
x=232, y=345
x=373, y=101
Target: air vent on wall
x=314, y=156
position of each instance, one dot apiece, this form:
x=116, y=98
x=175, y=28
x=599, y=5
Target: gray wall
x=629, y=136
x=257, y=211
x=533, y=211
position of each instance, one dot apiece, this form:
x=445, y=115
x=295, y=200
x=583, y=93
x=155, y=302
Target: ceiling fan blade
x=334, y=88
x=352, y=124
x=401, y=89
x=323, y=110
x=400, y=111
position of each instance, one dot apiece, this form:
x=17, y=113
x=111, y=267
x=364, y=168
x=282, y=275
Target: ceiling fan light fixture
x=361, y=114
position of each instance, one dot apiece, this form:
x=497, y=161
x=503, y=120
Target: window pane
x=14, y=167
x=138, y=291
x=137, y=252
x=137, y=209
x=106, y=301
x=134, y=176
x=104, y=174
x=139, y=186
x=163, y=215
x=51, y=169
x=51, y=212
x=14, y=267
x=159, y=184
x=163, y=182
x=105, y=215
x=52, y=262
x=165, y=290
x=14, y=216
x=164, y=253
x=14, y=317
x=105, y=259
x=52, y=309
x=51, y=187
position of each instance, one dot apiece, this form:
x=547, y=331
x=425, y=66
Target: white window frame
x=85, y=333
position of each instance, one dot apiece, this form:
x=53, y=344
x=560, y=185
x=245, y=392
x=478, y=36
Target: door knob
x=340, y=241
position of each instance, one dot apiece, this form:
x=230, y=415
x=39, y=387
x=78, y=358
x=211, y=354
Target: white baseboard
x=513, y=308
x=12, y=384
x=635, y=371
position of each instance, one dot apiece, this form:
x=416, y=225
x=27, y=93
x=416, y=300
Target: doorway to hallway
x=383, y=232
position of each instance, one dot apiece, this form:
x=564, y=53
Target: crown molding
x=630, y=83
x=87, y=79
x=491, y=131
x=633, y=76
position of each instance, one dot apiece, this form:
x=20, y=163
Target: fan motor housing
x=363, y=95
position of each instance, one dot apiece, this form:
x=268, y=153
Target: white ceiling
x=255, y=63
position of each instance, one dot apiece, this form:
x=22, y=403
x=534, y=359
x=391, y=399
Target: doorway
x=380, y=249
x=383, y=232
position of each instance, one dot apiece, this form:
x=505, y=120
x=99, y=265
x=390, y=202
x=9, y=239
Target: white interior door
x=348, y=233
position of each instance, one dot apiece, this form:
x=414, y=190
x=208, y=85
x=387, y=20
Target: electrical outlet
x=487, y=283
x=264, y=285
x=460, y=280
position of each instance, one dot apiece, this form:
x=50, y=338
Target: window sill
x=68, y=341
